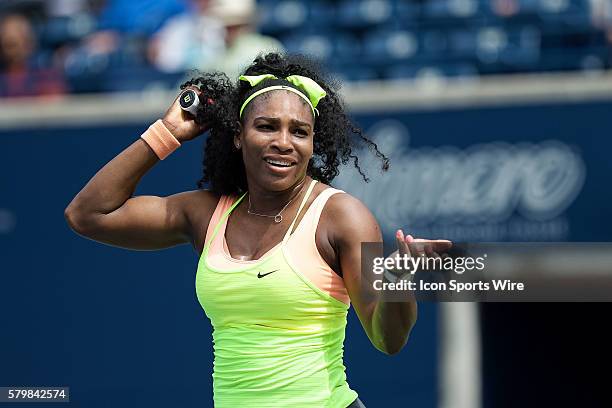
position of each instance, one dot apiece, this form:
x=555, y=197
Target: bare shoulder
x=347, y=218
x=344, y=204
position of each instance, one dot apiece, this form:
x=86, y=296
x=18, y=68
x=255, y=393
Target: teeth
x=279, y=163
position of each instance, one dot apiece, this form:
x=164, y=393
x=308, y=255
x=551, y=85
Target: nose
x=282, y=141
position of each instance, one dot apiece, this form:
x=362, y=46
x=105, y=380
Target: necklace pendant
x=278, y=218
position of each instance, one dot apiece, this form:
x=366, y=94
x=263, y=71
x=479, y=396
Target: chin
x=281, y=182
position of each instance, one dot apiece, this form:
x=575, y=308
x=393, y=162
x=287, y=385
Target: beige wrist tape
x=161, y=141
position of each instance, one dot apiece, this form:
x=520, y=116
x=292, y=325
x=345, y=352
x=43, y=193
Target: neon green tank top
x=278, y=339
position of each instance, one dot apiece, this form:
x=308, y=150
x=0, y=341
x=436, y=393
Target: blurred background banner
x=517, y=173
x=496, y=116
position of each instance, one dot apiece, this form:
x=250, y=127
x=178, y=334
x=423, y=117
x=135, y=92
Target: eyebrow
x=293, y=121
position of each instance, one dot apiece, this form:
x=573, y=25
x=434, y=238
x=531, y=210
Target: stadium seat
x=322, y=15
x=387, y=45
x=354, y=73
x=565, y=13
x=364, y=13
x=280, y=16
x=347, y=47
x=318, y=45
x=462, y=42
x=60, y=30
x=434, y=43
x=450, y=9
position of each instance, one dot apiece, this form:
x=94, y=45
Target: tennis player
x=280, y=248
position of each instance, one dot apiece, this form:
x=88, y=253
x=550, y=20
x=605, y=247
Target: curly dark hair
x=335, y=134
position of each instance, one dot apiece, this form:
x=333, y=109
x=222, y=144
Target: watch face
x=187, y=99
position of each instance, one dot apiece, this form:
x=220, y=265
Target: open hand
x=410, y=246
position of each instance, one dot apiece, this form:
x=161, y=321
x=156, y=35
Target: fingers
x=429, y=250
x=422, y=247
x=402, y=244
x=438, y=245
x=418, y=247
x=409, y=245
x=442, y=245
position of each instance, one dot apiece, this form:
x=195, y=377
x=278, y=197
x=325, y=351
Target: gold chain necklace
x=278, y=217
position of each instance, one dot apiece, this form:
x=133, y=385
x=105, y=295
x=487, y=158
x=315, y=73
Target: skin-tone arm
x=105, y=211
x=387, y=324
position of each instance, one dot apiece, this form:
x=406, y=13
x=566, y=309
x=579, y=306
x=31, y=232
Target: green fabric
x=275, y=87
x=256, y=79
x=278, y=340
x=313, y=90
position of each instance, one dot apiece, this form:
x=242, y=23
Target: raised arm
x=387, y=324
x=105, y=211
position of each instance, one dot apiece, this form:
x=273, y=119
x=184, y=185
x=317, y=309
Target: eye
x=265, y=127
x=300, y=132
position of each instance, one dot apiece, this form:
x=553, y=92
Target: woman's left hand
x=410, y=246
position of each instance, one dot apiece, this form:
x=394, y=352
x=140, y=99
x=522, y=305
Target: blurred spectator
x=601, y=14
x=601, y=17
x=505, y=8
x=242, y=41
x=19, y=74
x=124, y=28
x=188, y=39
x=216, y=35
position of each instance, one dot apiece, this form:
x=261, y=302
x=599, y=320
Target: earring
x=237, y=145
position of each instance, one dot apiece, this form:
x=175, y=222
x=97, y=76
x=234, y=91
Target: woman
x=280, y=248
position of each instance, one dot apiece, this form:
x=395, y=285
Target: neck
x=265, y=201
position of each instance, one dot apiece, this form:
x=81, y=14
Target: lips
x=279, y=162
x=279, y=167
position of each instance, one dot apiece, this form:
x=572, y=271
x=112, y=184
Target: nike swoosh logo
x=261, y=275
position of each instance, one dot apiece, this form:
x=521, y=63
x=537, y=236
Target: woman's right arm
x=105, y=211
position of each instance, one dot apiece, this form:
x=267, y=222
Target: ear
x=238, y=137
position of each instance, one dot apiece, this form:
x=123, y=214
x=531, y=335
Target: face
x=16, y=41
x=276, y=140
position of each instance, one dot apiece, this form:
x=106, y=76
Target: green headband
x=312, y=92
